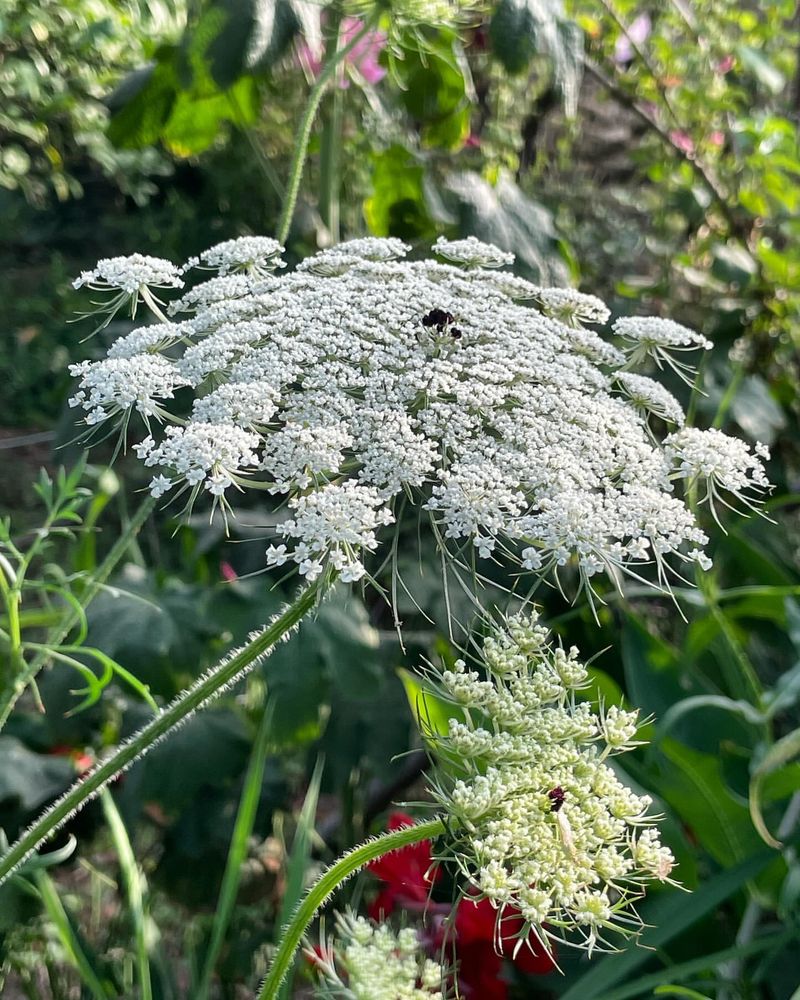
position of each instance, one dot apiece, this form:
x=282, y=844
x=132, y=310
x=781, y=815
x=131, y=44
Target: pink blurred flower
x=227, y=572
x=725, y=65
x=362, y=58
x=717, y=138
x=636, y=34
x=682, y=140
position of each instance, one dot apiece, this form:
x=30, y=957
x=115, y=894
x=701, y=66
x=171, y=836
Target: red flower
x=408, y=873
x=472, y=932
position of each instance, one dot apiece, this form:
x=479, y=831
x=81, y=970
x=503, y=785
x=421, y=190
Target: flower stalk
x=209, y=686
x=292, y=935
x=307, y=123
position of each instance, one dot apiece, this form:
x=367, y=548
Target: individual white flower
x=716, y=461
x=656, y=338
x=472, y=253
x=538, y=819
x=255, y=255
x=363, y=961
x=159, y=486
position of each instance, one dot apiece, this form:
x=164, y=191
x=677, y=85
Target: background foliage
x=645, y=152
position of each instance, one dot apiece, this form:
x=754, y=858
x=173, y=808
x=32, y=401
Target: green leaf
x=504, y=215
x=28, y=779
x=145, y=101
x=195, y=121
x=694, y=786
x=653, y=674
x=431, y=712
x=397, y=205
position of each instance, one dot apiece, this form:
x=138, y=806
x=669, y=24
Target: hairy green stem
x=11, y=693
x=185, y=704
x=307, y=123
x=292, y=935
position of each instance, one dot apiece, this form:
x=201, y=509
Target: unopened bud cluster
x=368, y=962
x=542, y=821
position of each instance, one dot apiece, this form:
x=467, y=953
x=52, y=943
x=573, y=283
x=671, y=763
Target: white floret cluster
x=716, y=462
x=131, y=274
x=368, y=962
x=255, y=255
x=362, y=379
x=542, y=821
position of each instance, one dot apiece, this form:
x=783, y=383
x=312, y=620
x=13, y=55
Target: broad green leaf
x=521, y=29
x=431, y=712
x=397, y=205
x=694, y=786
x=653, y=671
x=139, y=121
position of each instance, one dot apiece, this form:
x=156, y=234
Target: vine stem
x=307, y=123
x=10, y=695
x=347, y=865
x=209, y=686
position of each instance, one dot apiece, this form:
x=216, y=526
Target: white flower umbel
x=651, y=397
x=542, y=821
x=652, y=337
x=715, y=462
x=362, y=379
x=128, y=279
x=367, y=962
x=254, y=255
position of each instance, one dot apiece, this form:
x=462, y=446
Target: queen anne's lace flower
x=254, y=255
x=367, y=962
x=130, y=274
x=362, y=378
x=651, y=397
x=572, y=307
x=472, y=252
x=542, y=822
x=717, y=462
x=656, y=338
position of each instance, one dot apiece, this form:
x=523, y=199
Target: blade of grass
x=298, y=862
x=135, y=889
x=243, y=827
x=67, y=936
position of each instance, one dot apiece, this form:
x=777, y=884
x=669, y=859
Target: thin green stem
x=12, y=692
x=307, y=123
x=209, y=686
x=330, y=880
x=330, y=143
x=243, y=828
x=135, y=887
x=69, y=940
